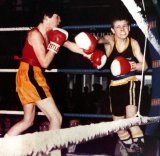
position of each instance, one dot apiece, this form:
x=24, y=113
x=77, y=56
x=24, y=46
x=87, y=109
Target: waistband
x=131, y=73
x=123, y=81
x=30, y=61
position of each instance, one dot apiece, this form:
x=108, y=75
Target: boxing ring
x=33, y=143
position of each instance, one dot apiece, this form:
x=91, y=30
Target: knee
x=28, y=122
x=131, y=110
x=135, y=129
x=122, y=133
x=60, y=119
x=56, y=118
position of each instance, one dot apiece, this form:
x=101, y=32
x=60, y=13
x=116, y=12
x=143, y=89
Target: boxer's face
x=54, y=21
x=121, y=28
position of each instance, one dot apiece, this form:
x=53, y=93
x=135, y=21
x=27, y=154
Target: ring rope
x=142, y=78
x=34, y=143
x=74, y=27
x=62, y=71
x=143, y=63
x=12, y=112
x=149, y=71
x=105, y=116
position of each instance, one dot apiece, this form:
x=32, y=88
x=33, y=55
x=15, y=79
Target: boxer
x=124, y=57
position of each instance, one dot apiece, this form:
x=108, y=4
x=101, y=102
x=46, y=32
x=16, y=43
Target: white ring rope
x=15, y=70
x=34, y=143
x=142, y=78
x=16, y=29
x=2, y=112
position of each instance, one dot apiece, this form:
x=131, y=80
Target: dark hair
x=119, y=18
x=45, y=8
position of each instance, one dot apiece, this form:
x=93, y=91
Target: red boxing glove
x=120, y=66
x=98, y=58
x=86, y=41
x=56, y=38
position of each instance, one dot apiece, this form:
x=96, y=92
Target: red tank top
x=28, y=53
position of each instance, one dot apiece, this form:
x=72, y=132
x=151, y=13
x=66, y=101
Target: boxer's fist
x=98, y=58
x=120, y=66
x=56, y=38
x=86, y=41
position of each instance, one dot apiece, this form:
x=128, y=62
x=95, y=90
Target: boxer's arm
x=98, y=58
x=108, y=41
x=36, y=41
x=139, y=56
x=74, y=48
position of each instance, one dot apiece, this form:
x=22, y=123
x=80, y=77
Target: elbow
x=45, y=67
x=146, y=66
x=44, y=64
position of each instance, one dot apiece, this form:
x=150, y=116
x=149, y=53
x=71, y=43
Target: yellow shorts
x=31, y=84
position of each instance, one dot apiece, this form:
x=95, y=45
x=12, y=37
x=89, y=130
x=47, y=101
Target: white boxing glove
x=120, y=66
x=86, y=41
